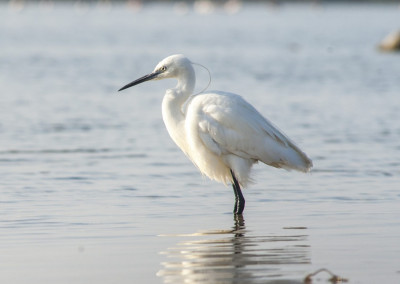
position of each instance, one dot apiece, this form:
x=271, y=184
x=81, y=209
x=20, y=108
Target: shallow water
x=92, y=189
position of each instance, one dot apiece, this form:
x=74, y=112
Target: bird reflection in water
x=237, y=256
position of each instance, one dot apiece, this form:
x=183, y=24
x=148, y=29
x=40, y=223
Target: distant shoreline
x=217, y=1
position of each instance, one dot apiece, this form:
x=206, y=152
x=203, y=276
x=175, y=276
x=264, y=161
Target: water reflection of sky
x=83, y=167
x=237, y=255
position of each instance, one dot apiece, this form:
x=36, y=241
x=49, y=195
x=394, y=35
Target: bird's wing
x=228, y=124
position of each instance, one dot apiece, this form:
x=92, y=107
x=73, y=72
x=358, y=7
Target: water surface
x=92, y=189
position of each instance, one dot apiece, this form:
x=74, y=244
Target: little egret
x=221, y=133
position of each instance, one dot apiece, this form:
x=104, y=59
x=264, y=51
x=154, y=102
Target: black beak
x=145, y=78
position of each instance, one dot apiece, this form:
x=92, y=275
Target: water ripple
x=236, y=256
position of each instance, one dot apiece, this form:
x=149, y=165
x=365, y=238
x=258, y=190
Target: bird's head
x=171, y=67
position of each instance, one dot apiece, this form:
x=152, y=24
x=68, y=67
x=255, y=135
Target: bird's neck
x=173, y=116
x=186, y=83
x=173, y=108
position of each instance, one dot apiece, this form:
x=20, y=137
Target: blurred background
x=93, y=189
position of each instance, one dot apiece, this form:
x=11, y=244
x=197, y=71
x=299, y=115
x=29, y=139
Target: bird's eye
x=164, y=68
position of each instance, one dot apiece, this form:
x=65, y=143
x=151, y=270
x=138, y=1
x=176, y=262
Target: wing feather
x=227, y=124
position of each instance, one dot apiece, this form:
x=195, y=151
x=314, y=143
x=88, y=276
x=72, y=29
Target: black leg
x=236, y=198
x=239, y=199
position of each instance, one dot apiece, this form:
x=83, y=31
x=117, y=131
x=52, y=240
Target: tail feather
x=288, y=157
x=297, y=160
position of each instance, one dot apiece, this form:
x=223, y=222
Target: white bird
x=221, y=133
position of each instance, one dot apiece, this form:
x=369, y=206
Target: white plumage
x=221, y=133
